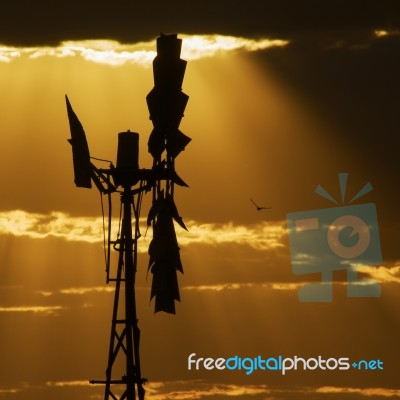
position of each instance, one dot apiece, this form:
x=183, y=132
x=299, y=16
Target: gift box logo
x=331, y=239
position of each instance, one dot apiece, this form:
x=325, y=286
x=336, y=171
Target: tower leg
x=125, y=334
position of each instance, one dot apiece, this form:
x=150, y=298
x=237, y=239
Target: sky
x=283, y=97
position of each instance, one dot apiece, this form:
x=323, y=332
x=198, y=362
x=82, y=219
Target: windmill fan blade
x=80, y=150
x=166, y=108
x=164, y=287
x=176, y=142
x=164, y=262
x=164, y=245
x=174, y=211
x=156, y=143
x=155, y=209
x=178, y=180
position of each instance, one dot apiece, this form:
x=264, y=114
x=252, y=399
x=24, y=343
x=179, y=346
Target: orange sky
x=254, y=135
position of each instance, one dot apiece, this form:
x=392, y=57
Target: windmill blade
x=178, y=180
x=80, y=150
x=174, y=211
x=164, y=263
x=156, y=143
x=166, y=107
x=176, y=143
x=164, y=288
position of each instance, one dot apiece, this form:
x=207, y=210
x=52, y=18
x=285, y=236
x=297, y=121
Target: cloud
x=378, y=274
x=45, y=293
x=384, y=274
x=56, y=224
x=348, y=40
x=383, y=392
x=286, y=286
x=79, y=291
x=67, y=383
x=46, y=310
x=180, y=390
x=381, y=33
x=236, y=286
x=85, y=290
x=263, y=236
x=198, y=390
x=8, y=391
x=194, y=47
x=201, y=46
x=218, y=287
x=114, y=53
x=281, y=286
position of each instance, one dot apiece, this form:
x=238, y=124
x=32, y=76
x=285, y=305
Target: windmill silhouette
x=166, y=103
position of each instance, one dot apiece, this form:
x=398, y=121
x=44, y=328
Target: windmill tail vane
x=80, y=150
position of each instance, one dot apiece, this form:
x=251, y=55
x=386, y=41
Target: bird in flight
x=259, y=208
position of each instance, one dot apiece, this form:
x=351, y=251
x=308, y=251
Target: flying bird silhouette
x=259, y=208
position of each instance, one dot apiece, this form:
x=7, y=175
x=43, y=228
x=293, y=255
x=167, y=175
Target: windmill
x=166, y=103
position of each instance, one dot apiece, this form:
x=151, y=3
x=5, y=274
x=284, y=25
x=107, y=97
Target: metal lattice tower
x=166, y=103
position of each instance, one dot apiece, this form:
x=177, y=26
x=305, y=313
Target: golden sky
x=255, y=134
